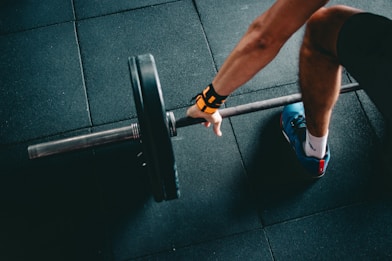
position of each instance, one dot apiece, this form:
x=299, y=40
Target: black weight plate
x=155, y=117
x=155, y=128
x=154, y=177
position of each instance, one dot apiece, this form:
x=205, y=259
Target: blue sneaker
x=294, y=129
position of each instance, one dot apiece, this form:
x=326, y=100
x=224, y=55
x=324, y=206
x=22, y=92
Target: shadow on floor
x=274, y=171
x=278, y=176
x=59, y=208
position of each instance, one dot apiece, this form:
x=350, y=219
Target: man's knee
x=323, y=27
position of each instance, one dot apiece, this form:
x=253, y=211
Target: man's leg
x=359, y=41
x=320, y=74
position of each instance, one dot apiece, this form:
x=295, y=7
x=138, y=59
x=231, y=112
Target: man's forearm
x=246, y=60
x=262, y=42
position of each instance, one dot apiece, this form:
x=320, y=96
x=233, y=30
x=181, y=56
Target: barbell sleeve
x=258, y=106
x=85, y=141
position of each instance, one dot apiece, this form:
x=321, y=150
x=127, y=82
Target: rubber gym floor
x=64, y=72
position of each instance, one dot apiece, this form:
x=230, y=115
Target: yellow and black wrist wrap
x=208, y=100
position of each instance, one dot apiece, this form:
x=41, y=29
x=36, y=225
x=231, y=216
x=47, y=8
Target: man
x=334, y=36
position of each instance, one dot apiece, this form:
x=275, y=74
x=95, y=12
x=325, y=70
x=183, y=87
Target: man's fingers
x=217, y=130
x=214, y=119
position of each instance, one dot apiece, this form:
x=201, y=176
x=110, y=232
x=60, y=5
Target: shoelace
x=299, y=125
x=298, y=122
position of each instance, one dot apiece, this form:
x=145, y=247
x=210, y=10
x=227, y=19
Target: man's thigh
x=365, y=49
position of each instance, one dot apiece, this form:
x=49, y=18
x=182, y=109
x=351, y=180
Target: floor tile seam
x=215, y=63
x=73, y=9
x=252, y=91
x=76, y=20
x=368, y=120
x=269, y=245
x=81, y=63
x=194, y=244
x=242, y=157
x=39, y=138
x=260, y=218
x=64, y=133
x=37, y=28
x=315, y=214
x=122, y=11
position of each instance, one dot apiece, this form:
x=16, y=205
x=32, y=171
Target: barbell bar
x=132, y=132
x=258, y=106
x=155, y=127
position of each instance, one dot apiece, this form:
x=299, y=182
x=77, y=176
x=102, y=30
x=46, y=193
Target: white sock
x=315, y=146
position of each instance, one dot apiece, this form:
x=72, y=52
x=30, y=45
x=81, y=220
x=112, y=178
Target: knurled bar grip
x=258, y=106
x=132, y=132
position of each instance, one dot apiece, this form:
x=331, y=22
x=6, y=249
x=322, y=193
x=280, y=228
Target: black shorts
x=364, y=48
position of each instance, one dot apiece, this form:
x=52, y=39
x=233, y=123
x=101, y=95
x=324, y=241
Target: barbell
x=155, y=127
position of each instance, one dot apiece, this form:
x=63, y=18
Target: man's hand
x=215, y=119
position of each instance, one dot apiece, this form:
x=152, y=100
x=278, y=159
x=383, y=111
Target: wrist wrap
x=208, y=100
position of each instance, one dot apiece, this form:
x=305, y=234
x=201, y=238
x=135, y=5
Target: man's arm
x=259, y=46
